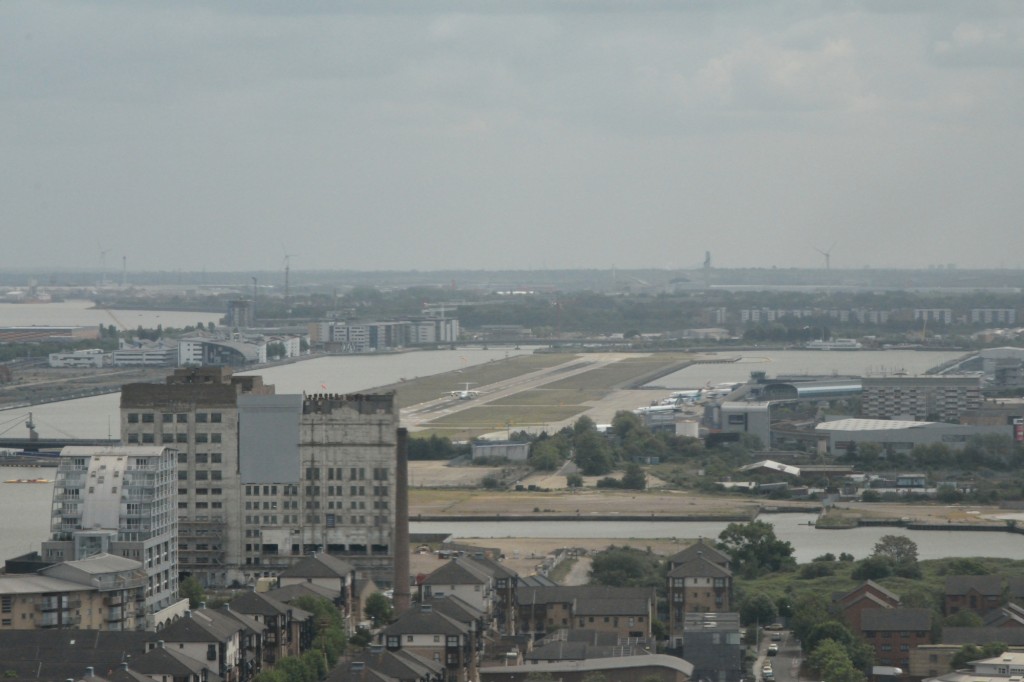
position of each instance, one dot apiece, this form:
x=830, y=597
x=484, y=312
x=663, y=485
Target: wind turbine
x=828, y=255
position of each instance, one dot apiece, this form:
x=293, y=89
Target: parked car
x=773, y=649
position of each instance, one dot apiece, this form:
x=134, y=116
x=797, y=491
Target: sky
x=511, y=134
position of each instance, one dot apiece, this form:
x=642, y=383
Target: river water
x=808, y=542
x=83, y=314
x=25, y=514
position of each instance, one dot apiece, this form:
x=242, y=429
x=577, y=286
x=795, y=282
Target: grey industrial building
x=901, y=436
x=940, y=398
x=264, y=479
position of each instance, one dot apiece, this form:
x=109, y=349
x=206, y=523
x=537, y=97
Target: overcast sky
x=511, y=134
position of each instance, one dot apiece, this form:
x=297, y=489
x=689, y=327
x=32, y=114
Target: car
x=773, y=650
x=775, y=626
x=767, y=673
x=776, y=636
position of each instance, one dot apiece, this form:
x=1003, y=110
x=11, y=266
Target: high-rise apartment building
x=120, y=501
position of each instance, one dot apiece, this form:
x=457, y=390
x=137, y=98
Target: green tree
x=627, y=567
x=593, y=454
x=635, y=478
x=899, y=549
x=832, y=661
x=191, y=588
x=872, y=568
x=574, y=481
x=963, y=619
x=754, y=549
x=758, y=608
x=972, y=652
x=544, y=456
x=378, y=609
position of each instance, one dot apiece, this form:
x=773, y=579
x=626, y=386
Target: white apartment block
x=120, y=501
x=999, y=316
x=939, y=315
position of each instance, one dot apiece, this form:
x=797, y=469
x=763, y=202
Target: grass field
x=498, y=417
x=620, y=374
x=544, y=396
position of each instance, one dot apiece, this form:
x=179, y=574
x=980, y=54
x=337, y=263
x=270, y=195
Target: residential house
x=102, y=592
x=627, y=611
x=434, y=636
x=210, y=637
x=866, y=596
x=281, y=623
x=978, y=593
x=463, y=578
x=894, y=633
x=326, y=571
x=380, y=665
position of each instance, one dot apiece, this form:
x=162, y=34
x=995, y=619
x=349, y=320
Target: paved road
x=785, y=665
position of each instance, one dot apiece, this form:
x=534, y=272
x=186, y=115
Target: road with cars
x=779, y=657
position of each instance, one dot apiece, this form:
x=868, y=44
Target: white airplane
x=464, y=394
x=686, y=397
x=656, y=409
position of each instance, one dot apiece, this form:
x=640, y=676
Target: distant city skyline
x=458, y=135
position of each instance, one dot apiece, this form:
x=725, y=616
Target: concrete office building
x=119, y=501
x=265, y=479
x=335, y=492
x=942, y=398
x=196, y=413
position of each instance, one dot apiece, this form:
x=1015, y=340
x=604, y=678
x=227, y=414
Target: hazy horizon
x=472, y=135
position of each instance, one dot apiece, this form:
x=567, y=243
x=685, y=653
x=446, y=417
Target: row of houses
x=231, y=643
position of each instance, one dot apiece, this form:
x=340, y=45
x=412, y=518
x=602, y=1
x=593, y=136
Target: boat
x=28, y=480
x=834, y=344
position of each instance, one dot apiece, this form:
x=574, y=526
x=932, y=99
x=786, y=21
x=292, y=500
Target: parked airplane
x=464, y=394
x=656, y=409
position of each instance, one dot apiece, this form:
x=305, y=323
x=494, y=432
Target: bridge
x=51, y=444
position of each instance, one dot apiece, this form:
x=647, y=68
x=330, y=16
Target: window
x=133, y=417
x=167, y=418
x=201, y=458
x=201, y=417
x=408, y=638
x=133, y=438
x=201, y=437
x=181, y=418
x=215, y=458
x=202, y=475
x=182, y=458
x=181, y=438
x=148, y=418
x=147, y=438
x=214, y=437
x=215, y=417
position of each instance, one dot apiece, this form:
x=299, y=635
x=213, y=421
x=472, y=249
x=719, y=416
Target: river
x=25, y=509
x=82, y=313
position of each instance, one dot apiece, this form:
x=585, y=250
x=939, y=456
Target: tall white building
x=120, y=501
